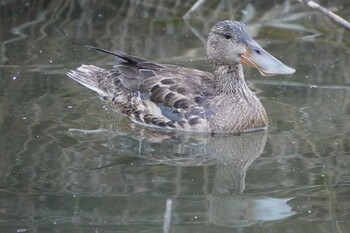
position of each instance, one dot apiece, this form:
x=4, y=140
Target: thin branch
x=336, y=18
x=196, y=5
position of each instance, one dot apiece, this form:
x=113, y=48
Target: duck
x=180, y=98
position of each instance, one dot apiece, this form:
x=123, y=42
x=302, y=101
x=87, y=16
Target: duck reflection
x=231, y=156
x=225, y=160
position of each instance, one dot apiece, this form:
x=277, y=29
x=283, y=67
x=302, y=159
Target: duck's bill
x=267, y=64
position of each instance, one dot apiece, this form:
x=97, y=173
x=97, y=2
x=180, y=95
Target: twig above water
x=336, y=18
x=194, y=7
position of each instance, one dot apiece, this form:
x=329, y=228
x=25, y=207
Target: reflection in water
x=167, y=216
x=234, y=156
x=230, y=155
x=246, y=211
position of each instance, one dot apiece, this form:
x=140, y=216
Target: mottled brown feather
x=173, y=91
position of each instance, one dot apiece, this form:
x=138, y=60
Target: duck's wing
x=150, y=93
x=182, y=94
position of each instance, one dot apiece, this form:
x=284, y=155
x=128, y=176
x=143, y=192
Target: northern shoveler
x=179, y=98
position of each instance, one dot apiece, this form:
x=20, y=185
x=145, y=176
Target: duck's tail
x=87, y=76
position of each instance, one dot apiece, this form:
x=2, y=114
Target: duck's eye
x=257, y=51
x=227, y=36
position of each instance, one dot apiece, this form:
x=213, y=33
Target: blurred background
x=68, y=164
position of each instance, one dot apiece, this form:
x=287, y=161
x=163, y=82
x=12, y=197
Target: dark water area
x=68, y=164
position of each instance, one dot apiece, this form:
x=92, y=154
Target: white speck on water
x=21, y=230
x=50, y=61
x=40, y=51
x=14, y=77
x=322, y=175
x=70, y=107
x=24, y=118
x=195, y=217
x=309, y=211
x=100, y=15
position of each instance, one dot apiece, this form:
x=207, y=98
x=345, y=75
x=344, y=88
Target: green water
x=67, y=164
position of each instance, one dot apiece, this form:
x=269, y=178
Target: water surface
x=68, y=164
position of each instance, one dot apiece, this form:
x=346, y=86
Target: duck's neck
x=229, y=79
x=236, y=107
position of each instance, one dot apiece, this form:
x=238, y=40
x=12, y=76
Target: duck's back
x=148, y=93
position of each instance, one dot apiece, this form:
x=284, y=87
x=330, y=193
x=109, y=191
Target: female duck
x=173, y=97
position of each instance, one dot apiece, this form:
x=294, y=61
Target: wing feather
x=150, y=93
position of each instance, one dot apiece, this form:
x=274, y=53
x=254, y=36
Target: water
x=69, y=165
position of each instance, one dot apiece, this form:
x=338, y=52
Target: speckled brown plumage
x=173, y=97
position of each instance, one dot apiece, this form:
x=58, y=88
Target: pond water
x=70, y=165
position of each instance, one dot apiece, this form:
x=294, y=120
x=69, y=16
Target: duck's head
x=229, y=43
